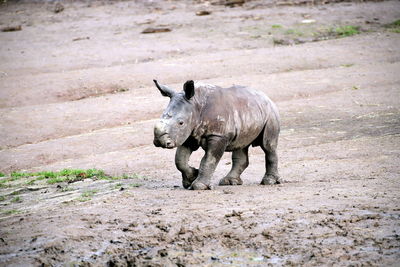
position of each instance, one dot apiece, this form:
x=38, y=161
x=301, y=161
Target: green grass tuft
x=83, y=199
x=345, y=31
x=2, y=174
x=294, y=32
x=71, y=175
x=16, y=200
x=45, y=174
x=9, y=212
x=89, y=193
x=14, y=176
x=60, y=179
x=394, y=24
x=66, y=189
x=31, y=182
x=4, y=185
x=276, y=26
x=2, y=198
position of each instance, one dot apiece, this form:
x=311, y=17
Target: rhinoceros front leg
x=189, y=174
x=240, y=161
x=215, y=148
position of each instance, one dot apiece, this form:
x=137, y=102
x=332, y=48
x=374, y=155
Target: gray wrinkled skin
x=218, y=119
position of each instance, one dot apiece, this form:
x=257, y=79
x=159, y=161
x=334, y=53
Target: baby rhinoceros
x=218, y=119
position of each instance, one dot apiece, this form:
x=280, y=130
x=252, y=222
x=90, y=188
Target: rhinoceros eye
x=180, y=123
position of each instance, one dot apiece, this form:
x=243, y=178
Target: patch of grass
x=2, y=174
x=128, y=176
x=46, y=174
x=66, y=189
x=2, y=198
x=74, y=175
x=276, y=26
x=58, y=180
x=394, y=26
x=83, y=199
x=15, y=193
x=3, y=185
x=348, y=30
x=294, y=32
x=17, y=175
x=135, y=185
x=65, y=175
x=89, y=193
x=16, y=200
x=10, y=212
x=31, y=182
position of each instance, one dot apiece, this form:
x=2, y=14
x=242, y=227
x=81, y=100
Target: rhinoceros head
x=178, y=119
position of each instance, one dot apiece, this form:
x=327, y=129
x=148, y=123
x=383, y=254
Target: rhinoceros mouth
x=164, y=141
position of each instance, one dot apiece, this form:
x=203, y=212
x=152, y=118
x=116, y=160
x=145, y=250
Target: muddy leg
x=271, y=165
x=240, y=161
x=189, y=174
x=215, y=149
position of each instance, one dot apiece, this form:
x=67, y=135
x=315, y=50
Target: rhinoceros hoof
x=270, y=179
x=188, y=180
x=186, y=184
x=200, y=186
x=231, y=181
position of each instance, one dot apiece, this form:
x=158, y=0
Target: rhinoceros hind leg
x=270, y=179
x=230, y=181
x=269, y=146
x=271, y=167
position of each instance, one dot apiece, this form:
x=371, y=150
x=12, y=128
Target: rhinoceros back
x=237, y=113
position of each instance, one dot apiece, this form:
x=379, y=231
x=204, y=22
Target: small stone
x=203, y=13
x=267, y=234
x=58, y=8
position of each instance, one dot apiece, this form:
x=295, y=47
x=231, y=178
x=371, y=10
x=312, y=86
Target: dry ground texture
x=76, y=92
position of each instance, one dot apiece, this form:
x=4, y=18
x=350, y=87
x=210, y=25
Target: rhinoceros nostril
x=168, y=143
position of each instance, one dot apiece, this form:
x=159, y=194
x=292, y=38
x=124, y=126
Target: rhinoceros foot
x=200, y=186
x=270, y=179
x=188, y=178
x=231, y=181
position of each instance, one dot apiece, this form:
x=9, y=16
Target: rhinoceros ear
x=165, y=91
x=188, y=87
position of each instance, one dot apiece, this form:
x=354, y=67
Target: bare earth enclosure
x=76, y=92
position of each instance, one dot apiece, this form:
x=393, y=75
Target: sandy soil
x=76, y=92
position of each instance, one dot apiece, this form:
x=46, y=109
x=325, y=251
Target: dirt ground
x=76, y=92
